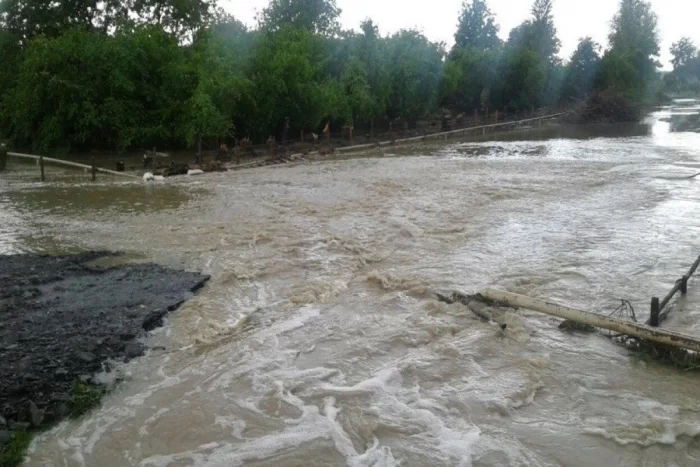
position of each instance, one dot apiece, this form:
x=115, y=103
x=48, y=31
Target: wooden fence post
x=271, y=146
x=3, y=157
x=654, y=321
x=285, y=132
x=94, y=169
x=41, y=168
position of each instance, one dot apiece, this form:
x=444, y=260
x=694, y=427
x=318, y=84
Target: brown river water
x=319, y=342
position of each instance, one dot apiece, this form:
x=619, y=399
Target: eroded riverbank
x=65, y=319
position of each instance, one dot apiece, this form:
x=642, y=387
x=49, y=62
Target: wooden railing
x=92, y=168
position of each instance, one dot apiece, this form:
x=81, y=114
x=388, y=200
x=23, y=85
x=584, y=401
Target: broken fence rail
x=657, y=306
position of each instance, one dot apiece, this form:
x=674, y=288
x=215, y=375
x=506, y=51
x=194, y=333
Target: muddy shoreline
x=65, y=318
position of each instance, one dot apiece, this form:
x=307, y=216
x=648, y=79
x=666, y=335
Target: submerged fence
x=326, y=142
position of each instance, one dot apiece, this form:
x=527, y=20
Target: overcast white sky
x=438, y=18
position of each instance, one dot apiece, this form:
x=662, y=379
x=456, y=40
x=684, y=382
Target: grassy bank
x=85, y=399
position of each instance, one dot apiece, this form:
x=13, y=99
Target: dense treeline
x=139, y=73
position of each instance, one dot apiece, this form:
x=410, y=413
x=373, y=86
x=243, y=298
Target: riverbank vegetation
x=92, y=74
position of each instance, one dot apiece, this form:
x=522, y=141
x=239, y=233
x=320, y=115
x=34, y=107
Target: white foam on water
x=375, y=456
x=312, y=425
x=290, y=379
x=304, y=315
x=650, y=422
x=369, y=386
x=395, y=405
x=237, y=426
x=90, y=431
x=143, y=431
x=169, y=381
x=655, y=432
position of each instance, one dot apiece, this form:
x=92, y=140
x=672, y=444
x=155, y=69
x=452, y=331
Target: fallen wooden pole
x=628, y=328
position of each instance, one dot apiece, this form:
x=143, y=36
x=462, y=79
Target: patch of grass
x=12, y=454
x=85, y=398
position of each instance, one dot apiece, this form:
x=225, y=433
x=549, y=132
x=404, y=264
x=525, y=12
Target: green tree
x=470, y=68
x=54, y=104
x=469, y=74
x=286, y=69
x=223, y=95
x=26, y=19
x=618, y=74
x=685, y=77
x=543, y=38
x=371, y=49
x=181, y=17
x=477, y=27
x=582, y=69
x=150, y=83
x=635, y=35
x=524, y=77
x=84, y=89
x=539, y=33
x=11, y=59
x=684, y=52
x=357, y=92
x=415, y=70
x=317, y=16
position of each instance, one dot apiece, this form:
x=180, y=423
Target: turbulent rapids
x=319, y=341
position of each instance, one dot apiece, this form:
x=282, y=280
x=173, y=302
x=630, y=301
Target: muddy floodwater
x=318, y=340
